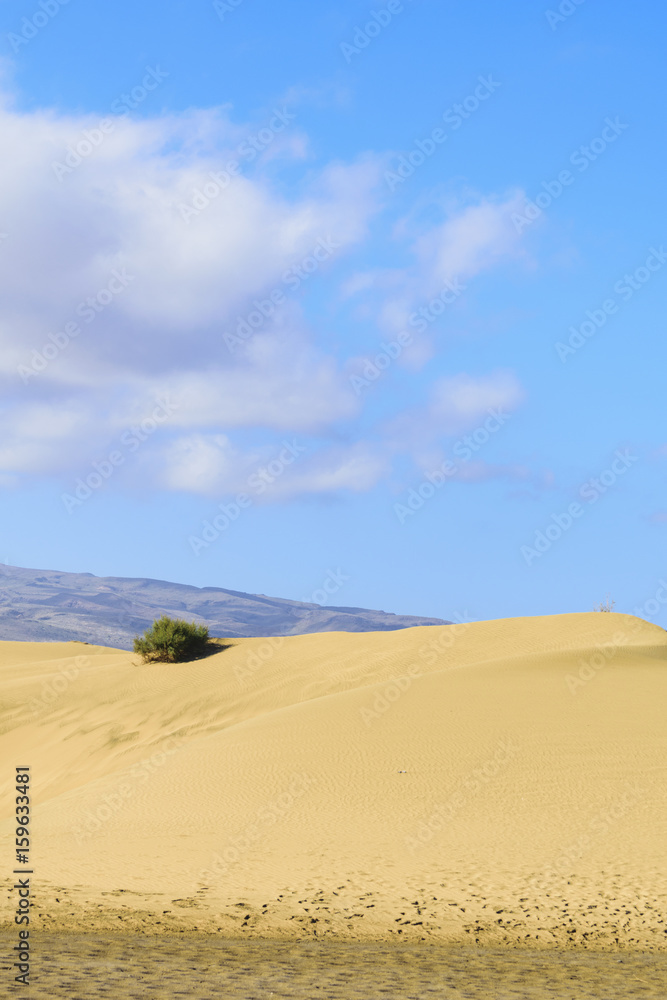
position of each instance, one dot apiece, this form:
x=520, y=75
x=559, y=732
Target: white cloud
x=186, y=284
x=306, y=397
x=468, y=242
x=460, y=402
x=211, y=466
x=196, y=255
x=357, y=468
x=39, y=438
x=471, y=240
x=122, y=207
x=457, y=404
x=201, y=464
x=480, y=471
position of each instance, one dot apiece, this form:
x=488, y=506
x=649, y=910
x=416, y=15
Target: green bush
x=172, y=640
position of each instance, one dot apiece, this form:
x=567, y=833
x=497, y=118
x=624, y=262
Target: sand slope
x=500, y=782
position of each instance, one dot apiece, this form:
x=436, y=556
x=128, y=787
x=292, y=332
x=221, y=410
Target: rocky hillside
x=44, y=605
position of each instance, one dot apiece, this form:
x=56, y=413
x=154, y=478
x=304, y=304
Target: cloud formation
x=158, y=259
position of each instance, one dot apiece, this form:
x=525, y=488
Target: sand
x=499, y=784
x=125, y=967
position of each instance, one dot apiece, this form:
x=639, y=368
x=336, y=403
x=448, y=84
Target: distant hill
x=48, y=606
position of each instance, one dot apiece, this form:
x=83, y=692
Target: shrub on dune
x=172, y=640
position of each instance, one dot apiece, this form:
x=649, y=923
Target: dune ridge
x=498, y=783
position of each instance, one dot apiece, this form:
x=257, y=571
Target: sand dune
x=501, y=782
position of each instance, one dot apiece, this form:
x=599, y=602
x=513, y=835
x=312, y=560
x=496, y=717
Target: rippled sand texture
x=79, y=967
x=498, y=784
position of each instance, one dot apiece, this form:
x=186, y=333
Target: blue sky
x=370, y=289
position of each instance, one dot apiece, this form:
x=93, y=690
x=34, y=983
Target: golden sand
x=496, y=784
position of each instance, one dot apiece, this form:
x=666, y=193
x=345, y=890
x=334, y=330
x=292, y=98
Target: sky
x=370, y=296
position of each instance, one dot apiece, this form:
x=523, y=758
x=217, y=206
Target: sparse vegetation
x=606, y=605
x=173, y=640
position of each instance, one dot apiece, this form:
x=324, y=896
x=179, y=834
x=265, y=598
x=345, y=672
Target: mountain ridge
x=52, y=605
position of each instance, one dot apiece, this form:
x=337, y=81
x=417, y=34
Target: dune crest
x=494, y=782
